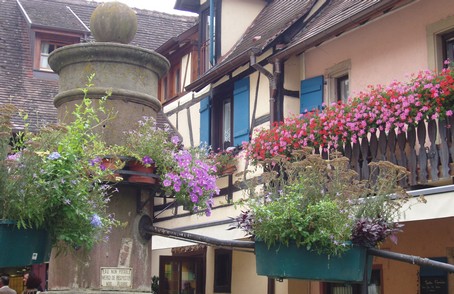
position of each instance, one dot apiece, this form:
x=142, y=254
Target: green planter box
x=298, y=263
x=22, y=247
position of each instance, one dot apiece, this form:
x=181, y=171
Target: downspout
x=272, y=78
x=212, y=61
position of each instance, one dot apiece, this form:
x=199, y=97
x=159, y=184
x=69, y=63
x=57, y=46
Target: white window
x=338, y=82
x=46, y=50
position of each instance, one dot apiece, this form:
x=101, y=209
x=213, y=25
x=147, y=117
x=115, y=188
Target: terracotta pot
x=110, y=164
x=140, y=173
x=228, y=170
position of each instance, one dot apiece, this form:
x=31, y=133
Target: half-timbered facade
x=263, y=61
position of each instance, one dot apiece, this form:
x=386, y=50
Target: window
x=181, y=275
x=448, y=46
x=170, y=85
x=338, y=82
x=440, y=42
x=46, y=43
x=222, y=271
x=342, y=87
x=229, y=105
x=177, y=81
x=47, y=47
x=209, y=30
x=374, y=286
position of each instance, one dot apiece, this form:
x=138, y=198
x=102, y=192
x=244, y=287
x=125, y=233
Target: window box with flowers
x=50, y=182
x=397, y=107
x=318, y=210
x=225, y=161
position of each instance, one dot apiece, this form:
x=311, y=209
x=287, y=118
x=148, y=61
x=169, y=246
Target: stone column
x=123, y=263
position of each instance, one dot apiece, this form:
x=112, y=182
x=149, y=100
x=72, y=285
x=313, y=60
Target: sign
x=434, y=285
x=116, y=277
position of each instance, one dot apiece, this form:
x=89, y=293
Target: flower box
x=295, y=262
x=141, y=173
x=22, y=247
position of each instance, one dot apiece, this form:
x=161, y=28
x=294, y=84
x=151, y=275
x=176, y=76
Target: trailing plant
x=54, y=183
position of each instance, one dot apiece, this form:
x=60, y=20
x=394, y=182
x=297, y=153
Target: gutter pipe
x=184, y=236
x=272, y=78
x=212, y=61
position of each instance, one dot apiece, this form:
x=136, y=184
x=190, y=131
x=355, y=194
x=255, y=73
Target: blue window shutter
x=241, y=111
x=311, y=96
x=205, y=121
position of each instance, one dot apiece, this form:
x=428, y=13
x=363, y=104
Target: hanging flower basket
x=291, y=262
x=22, y=247
x=142, y=173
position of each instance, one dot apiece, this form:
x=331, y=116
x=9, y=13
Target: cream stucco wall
x=292, y=78
x=244, y=278
x=383, y=50
x=236, y=17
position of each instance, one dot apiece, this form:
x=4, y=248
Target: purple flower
x=167, y=183
x=175, y=140
x=95, y=161
x=147, y=160
x=54, y=155
x=67, y=201
x=96, y=221
x=14, y=156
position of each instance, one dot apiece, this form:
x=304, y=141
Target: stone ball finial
x=113, y=22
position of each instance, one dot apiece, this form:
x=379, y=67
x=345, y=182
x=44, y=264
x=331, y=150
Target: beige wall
x=236, y=17
x=292, y=79
x=430, y=238
x=244, y=278
x=383, y=50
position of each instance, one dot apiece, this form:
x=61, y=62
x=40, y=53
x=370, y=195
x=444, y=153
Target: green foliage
x=54, y=181
x=317, y=203
x=149, y=143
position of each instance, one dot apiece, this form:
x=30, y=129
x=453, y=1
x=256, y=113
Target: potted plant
x=150, y=148
x=51, y=182
x=225, y=161
x=185, y=174
x=311, y=215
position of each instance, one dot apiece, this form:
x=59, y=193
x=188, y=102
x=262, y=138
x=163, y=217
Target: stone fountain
x=131, y=75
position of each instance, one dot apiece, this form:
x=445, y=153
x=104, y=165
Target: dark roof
x=52, y=15
x=282, y=21
x=336, y=18
x=27, y=89
x=275, y=19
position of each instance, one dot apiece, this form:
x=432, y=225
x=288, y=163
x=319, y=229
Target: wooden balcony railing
x=426, y=151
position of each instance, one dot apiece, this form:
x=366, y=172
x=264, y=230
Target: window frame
x=197, y=260
x=333, y=76
x=204, y=55
x=434, y=37
x=227, y=267
x=56, y=38
x=221, y=95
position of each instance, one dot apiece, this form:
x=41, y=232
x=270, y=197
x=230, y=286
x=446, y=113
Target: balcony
x=408, y=124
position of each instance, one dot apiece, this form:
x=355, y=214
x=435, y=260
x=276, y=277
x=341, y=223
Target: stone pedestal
x=129, y=73
x=121, y=264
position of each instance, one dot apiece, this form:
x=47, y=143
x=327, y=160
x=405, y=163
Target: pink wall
x=382, y=50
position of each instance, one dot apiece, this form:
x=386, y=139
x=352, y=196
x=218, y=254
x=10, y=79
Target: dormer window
x=46, y=43
x=47, y=47
x=51, y=25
